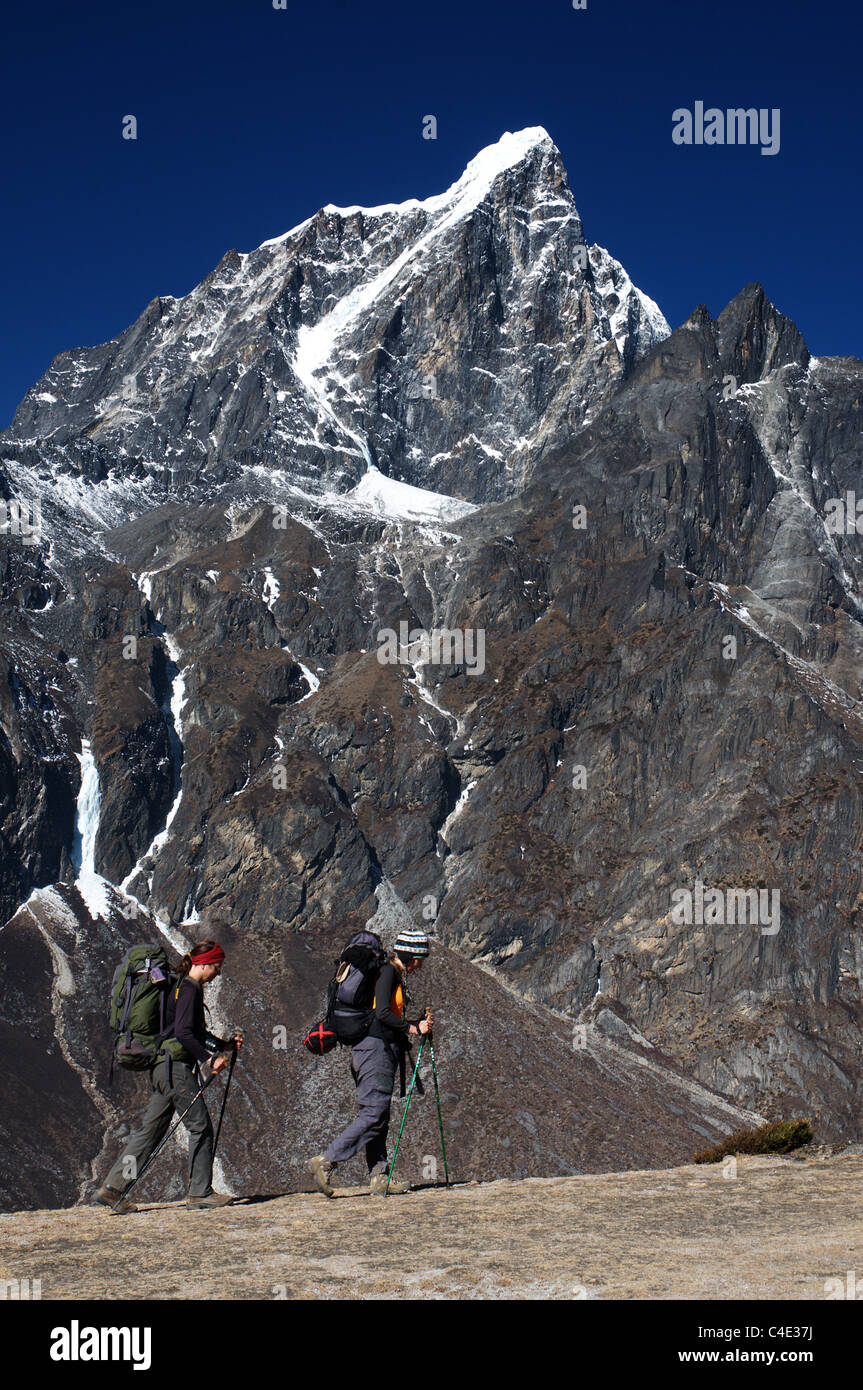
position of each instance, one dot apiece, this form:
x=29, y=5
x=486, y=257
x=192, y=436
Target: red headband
x=214, y=956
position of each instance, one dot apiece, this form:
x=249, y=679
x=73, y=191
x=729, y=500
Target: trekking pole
x=124, y=1194
x=225, y=1096
x=439, y=1119
x=404, y=1116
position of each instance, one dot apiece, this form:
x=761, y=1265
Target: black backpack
x=351, y=991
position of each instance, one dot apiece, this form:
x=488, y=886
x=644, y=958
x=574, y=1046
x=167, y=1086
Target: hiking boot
x=109, y=1197
x=213, y=1199
x=322, y=1171
x=378, y=1186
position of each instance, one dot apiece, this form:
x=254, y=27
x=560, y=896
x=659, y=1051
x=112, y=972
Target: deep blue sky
x=250, y=118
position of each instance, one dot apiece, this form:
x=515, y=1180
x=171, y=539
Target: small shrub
x=775, y=1138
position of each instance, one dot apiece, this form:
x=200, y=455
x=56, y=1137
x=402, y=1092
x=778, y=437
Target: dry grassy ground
x=778, y=1230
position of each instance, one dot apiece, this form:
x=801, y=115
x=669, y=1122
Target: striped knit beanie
x=411, y=943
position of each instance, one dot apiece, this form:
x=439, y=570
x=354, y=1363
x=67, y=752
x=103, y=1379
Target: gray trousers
x=154, y=1126
x=373, y=1067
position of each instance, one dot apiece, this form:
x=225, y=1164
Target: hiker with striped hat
x=374, y=1062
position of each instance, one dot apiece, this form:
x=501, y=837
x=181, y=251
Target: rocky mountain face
x=410, y=568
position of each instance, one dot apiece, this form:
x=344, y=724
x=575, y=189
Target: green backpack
x=139, y=1001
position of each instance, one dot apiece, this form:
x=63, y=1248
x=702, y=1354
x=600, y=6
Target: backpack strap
x=127, y=1004
x=164, y=1055
x=132, y=999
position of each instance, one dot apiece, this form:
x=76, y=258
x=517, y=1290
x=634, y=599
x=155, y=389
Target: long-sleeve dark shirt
x=386, y=1023
x=188, y=1024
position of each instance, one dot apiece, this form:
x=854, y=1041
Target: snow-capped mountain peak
x=441, y=341
x=469, y=188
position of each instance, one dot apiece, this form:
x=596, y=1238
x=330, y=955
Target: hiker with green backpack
x=159, y=1018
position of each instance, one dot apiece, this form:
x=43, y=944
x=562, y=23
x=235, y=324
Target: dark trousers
x=373, y=1067
x=169, y=1095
